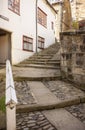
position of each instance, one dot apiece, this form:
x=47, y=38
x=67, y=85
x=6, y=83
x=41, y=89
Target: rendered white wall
x=58, y=7
x=47, y=33
x=25, y=24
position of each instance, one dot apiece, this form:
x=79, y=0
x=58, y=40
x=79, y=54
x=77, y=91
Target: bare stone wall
x=73, y=56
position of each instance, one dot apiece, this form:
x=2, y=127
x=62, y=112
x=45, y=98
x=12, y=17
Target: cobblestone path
x=63, y=90
x=78, y=111
x=33, y=121
x=24, y=94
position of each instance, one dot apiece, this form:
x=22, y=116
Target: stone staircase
x=44, y=59
x=44, y=101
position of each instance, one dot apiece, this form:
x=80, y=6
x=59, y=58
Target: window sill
x=41, y=48
x=28, y=50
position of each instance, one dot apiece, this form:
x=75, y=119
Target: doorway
x=5, y=46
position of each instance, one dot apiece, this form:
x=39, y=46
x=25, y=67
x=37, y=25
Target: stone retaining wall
x=73, y=56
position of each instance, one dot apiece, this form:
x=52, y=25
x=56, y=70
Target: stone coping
x=39, y=107
x=73, y=32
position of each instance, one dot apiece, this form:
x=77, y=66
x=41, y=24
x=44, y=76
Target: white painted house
x=57, y=5
x=18, y=28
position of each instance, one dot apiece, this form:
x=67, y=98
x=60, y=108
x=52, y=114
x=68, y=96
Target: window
x=52, y=25
x=14, y=5
x=41, y=42
x=27, y=43
x=42, y=18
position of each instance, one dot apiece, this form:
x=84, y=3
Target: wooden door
x=3, y=48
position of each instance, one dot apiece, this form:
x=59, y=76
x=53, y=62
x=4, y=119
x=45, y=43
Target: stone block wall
x=73, y=56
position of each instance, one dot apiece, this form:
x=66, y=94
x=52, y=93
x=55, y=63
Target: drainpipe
x=36, y=6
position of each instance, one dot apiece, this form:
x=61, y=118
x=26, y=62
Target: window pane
x=41, y=42
x=42, y=17
x=14, y=5
x=27, y=43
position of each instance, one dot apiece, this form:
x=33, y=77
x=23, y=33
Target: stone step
x=45, y=99
x=42, y=63
x=35, y=57
x=49, y=78
x=43, y=55
x=49, y=51
x=38, y=66
x=28, y=73
x=43, y=60
x=56, y=119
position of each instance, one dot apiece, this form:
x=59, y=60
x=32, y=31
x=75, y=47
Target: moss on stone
x=2, y=104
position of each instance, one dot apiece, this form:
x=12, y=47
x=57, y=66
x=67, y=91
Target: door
x=3, y=48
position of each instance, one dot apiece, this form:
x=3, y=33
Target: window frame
x=13, y=6
x=42, y=41
x=27, y=42
x=43, y=17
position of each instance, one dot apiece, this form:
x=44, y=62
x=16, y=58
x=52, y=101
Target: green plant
x=2, y=104
x=75, y=25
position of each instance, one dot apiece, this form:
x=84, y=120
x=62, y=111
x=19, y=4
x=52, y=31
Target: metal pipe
x=36, y=6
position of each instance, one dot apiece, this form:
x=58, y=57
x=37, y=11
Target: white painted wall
x=58, y=7
x=47, y=33
x=25, y=25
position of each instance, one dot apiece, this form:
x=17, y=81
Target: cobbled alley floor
x=33, y=121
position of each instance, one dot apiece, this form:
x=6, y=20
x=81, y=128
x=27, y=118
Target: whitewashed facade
x=14, y=28
x=58, y=7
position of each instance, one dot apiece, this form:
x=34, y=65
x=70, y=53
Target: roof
x=51, y=6
x=57, y=2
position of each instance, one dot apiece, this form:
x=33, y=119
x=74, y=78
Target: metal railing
x=11, y=99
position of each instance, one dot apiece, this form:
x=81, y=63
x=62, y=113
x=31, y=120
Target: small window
x=14, y=5
x=27, y=43
x=42, y=18
x=52, y=25
x=41, y=42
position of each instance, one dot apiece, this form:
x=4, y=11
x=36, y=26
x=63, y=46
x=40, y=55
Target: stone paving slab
x=42, y=94
x=63, y=120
